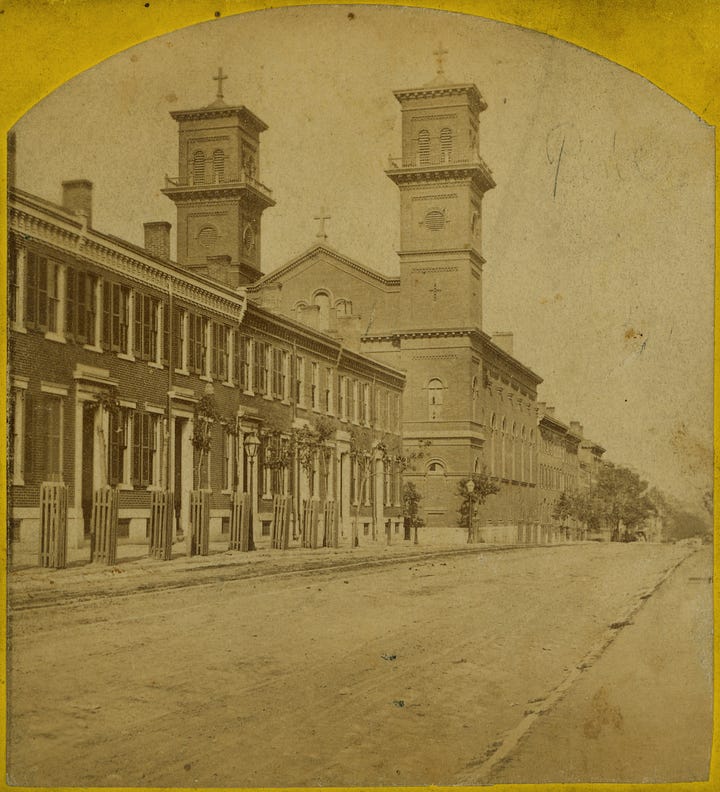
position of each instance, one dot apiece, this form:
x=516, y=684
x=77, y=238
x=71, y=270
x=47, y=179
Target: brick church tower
x=465, y=391
x=218, y=193
x=442, y=180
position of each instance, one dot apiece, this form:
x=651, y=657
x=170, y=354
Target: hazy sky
x=602, y=265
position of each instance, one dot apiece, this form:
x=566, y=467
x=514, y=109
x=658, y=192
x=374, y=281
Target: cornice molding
x=116, y=258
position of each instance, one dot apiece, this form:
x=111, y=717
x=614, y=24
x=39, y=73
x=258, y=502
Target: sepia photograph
x=359, y=412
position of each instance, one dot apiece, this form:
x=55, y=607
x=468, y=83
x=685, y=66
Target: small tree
x=411, y=509
x=484, y=486
x=393, y=457
x=361, y=454
x=205, y=416
x=564, y=508
x=107, y=401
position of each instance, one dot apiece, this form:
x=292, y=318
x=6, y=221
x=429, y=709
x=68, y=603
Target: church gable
x=328, y=292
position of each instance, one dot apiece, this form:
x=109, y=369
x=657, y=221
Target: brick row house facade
x=90, y=315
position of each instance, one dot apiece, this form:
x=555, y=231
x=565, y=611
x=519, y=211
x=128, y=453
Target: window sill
x=18, y=482
x=125, y=487
x=205, y=378
x=126, y=356
x=267, y=397
x=248, y=393
x=184, y=372
x=155, y=365
x=93, y=348
x=59, y=339
x=16, y=327
x=286, y=402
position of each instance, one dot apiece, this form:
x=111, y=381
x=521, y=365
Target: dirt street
x=408, y=674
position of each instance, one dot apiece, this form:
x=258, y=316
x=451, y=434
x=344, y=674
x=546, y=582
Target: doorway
x=182, y=473
x=88, y=466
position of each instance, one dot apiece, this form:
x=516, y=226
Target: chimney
x=576, y=427
x=504, y=340
x=157, y=239
x=270, y=297
x=77, y=197
x=218, y=268
x=11, y=159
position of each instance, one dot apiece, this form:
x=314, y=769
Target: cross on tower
x=322, y=217
x=440, y=54
x=220, y=77
x=435, y=291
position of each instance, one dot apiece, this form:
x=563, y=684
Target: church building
x=465, y=393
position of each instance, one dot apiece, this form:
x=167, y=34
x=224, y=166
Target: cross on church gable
x=220, y=77
x=322, y=217
x=440, y=54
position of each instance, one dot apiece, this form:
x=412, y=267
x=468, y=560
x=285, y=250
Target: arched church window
x=218, y=166
x=503, y=451
x=435, y=399
x=423, y=147
x=523, y=455
x=322, y=300
x=493, y=429
x=474, y=393
x=531, y=457
x=343, y=308
x=198, y=168
x=436, y=468
x=446, y=144
x=249, y=165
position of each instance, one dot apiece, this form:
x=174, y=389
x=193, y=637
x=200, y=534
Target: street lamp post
x=470, y=487
x=251, y=445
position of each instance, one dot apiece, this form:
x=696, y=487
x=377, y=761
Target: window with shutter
x=446, y=144
x=198, y=168
x=424, y=146
x=218, y=163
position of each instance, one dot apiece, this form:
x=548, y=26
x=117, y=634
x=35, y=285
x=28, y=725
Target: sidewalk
x=33, y=586
x=643, y=713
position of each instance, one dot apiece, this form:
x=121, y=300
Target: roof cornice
x=313, y=251
x=35, y=220
x=476, y=101
x=223, y=111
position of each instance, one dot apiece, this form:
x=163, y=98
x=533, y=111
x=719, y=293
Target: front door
x=180, y=465
x=88, y=467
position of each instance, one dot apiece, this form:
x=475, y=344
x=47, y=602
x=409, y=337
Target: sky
x=598, y=237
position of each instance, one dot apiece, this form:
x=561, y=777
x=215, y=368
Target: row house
x=558, y=473
x=112, y=348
